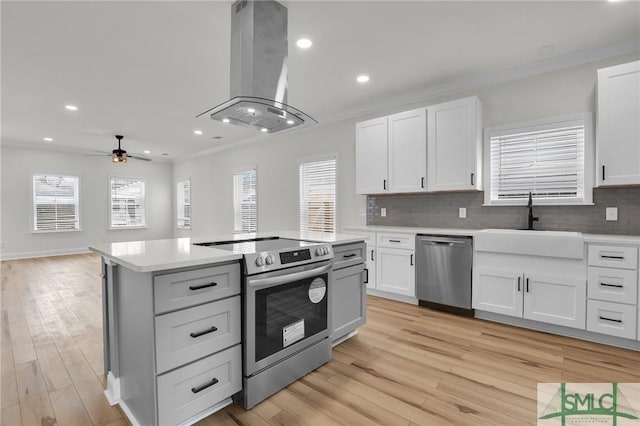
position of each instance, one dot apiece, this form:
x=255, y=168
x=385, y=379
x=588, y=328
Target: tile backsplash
x=440, y=210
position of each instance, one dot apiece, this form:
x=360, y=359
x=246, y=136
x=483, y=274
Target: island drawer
x=348, y=255
x=613, y=285
x=613, y=256
x=186, y=335
x=613, y=319
x=197, y=286
x=198, y=386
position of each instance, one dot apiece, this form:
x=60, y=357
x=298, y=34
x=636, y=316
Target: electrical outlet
x=612, y=213
x=462, y=212
x=383, y=212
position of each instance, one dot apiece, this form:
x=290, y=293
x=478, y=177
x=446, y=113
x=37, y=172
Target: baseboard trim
x=393, y=296
x=43, y=253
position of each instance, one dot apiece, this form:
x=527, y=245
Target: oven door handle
x=288, y=277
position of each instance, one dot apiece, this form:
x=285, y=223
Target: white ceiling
x=146, y=69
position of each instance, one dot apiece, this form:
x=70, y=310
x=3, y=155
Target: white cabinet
x=391, y=153
x=454, y=145
x=512, y=285
x=396, y=271
x=618, y=135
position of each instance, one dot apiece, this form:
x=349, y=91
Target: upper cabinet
x=454, y=145
x=618, y=136
x=437, y=148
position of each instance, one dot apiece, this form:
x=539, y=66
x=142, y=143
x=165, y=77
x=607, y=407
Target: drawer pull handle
x=204, y=386
x=604, y=256
x=612, y=285
x=200, y=287
x=203, y=332
x=347, y=256
x=519, y=283
x=366, y=278
x=395, y=241
x=411, y=261
x=527, y=285
x=610, y=319
x=372, y=259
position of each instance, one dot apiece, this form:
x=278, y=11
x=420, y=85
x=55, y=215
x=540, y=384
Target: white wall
x=18, y=167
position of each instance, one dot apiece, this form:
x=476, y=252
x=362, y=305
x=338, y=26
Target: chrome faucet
x=531, y=218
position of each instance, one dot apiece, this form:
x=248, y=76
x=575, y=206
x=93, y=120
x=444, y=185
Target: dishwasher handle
x=447, y=242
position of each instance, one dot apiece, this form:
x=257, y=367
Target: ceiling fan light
x=119, y=159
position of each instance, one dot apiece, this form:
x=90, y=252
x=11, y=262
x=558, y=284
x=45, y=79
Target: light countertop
x=159, y=255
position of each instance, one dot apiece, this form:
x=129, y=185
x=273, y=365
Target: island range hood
x=259, y=49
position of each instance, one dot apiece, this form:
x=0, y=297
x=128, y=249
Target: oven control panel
x=259, y=262
x=295, y=256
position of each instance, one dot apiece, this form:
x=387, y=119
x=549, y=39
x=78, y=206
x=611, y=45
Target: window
x=55, y=203
x=245, y=214
x=551, y=159
x=318, y=196
x=183, y=208
x=127, y=202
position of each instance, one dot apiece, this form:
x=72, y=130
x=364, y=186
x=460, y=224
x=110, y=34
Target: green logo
x=591, y=405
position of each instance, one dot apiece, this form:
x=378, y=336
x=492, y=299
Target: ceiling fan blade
x=139, y=157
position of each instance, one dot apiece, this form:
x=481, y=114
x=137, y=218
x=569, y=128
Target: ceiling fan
x=120, y=156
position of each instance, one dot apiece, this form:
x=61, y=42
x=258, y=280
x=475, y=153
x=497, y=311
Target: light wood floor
x=408, y=366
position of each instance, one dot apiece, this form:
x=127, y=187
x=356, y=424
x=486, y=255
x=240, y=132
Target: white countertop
x=158, y=255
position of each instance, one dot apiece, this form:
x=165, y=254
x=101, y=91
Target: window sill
x=55, y=231
x=118, y=228
x=535, y=204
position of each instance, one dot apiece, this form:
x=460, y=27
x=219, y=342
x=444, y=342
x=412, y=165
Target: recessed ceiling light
x=251, y=110
x=225, y=120
x=290, y=121
x=264, y=130
x=197, y=132
x=48, y=139
x=146, y=151
x=362, y=78
x=217, y=137
x=304, y=43
x=71, y=107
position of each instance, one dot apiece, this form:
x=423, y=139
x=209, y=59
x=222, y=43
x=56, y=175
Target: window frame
x=34, y=221
x=177, y=206
x=144, y=203
x=585, y=119
x=237, y=172
x=320, y=158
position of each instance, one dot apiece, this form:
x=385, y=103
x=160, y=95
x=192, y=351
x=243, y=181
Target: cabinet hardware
x=372, y=259
x=519, y=283
x=347, y=256
x=204, y=386
x=384, y=184
x=200, y=287
x=421, y=182
x=366, y=276
x=527, y=285
x=604, y=256
x=612, y=285
x=203, y=332
x=411, y=261
x=395, y=241
x=603, y=172
x=472, y=179
x=610, y=319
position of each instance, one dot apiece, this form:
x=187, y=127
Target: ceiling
x=145, y=69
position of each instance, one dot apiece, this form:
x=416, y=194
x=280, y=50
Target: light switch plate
x=462, y=212
x=383, y=212
x=612, y=213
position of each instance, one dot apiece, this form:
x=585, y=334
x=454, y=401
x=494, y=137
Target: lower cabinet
x=348, y=301
x=395, y=271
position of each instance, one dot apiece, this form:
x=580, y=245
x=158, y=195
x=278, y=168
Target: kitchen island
x=173, y=340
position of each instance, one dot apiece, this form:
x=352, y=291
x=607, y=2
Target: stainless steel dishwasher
x=443, y=272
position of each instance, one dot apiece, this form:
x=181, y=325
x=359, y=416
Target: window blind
x=183, y=208
x=127, y=202
x=548, y=163
x=245, y=214
x=318, y=196
x=55, y=203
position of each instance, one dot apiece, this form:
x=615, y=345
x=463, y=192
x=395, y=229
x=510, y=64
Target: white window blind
x=318, y=196
x=548, y=161
x=245, y=213
x=183, y=208
x=55, y=203
x=127, y=202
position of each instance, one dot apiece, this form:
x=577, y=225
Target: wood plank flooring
x=408, y=366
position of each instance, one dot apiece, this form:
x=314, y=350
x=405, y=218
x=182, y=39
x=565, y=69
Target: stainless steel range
x=286, y=312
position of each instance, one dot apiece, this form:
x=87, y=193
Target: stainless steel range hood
x=259, y=70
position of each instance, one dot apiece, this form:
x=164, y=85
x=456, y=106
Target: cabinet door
x=371, y=156
x=618, y=140
x=371, y=268
x=498, y=290
x=454, y=145
x=348, y=301
x=396, y=271
x=408, y=151
x=556, y=300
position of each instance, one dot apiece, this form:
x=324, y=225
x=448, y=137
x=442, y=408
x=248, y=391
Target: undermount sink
x=529, y=242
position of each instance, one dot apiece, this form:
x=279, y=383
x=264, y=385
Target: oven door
x=285, y=312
